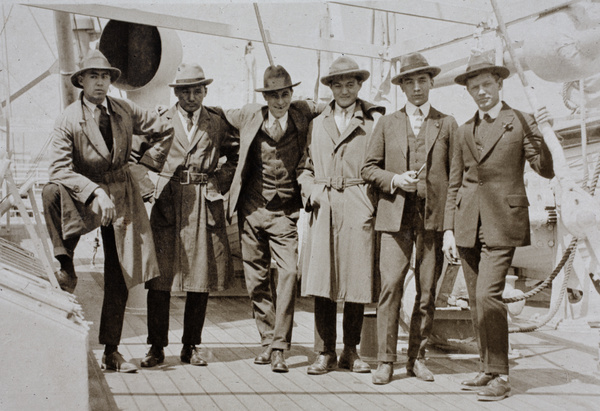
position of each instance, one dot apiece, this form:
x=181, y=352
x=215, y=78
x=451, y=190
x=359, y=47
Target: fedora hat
x=414, y=63
x=479, y=63
x=341, y=66
x=190, y=75
x=276, y=78
x=95, y=60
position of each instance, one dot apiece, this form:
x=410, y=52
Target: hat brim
x=115, y=73
x=363, y=74
x=262, y=90
x=432, y=70
x=204, y=82
x=502, y=71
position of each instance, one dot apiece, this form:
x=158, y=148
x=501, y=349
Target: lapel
x=399, y=130
x=120, y=141
x=356, y=121
x=497, y=130
x=432, y=128
x=469, y=133
x=178, y=127
x=249, y=131
x=329, y=124
x=201, y=130
x=90, y=128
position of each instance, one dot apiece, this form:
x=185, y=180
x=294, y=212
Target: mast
x=66, y=60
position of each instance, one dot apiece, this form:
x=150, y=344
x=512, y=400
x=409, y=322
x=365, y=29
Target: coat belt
x=110, y=176
x=339, y=183
x=184, y=176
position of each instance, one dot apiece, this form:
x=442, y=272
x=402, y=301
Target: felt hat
x=414, y=63
x=276, y=78
x=480, y=63
x=95, y=60
x=190, y=75
x=342, y=66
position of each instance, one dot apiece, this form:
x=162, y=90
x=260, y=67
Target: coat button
x=481, y=183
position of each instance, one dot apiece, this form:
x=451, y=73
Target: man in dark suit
x=486, y=214
x=408, y=161
x=266, y=196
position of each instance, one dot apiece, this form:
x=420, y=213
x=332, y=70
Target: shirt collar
x=184, y=114
x=93, y=106
x=494, y=112
x=337, y=110
x=411, y=108
x=282, y=120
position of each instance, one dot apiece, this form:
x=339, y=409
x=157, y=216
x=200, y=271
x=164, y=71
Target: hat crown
x=277, y=78
x=342, y=65
x=189, y=73
x=95, y=60
x=479, y=61
x=413, y=61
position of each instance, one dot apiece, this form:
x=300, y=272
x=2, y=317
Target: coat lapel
x=401, y=137
x=329, y=124
x=249, y=133
x=497, y=131
x=178, y=127
x=92, y=132
x=432, y=128
x=202, y=129
x=120, y=142
x=469, y=133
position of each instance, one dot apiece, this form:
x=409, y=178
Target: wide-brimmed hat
x=342, y=66
x=276, y=78
x=190, y=75
x=95, y=60
x=479, y=63
x=414, y=63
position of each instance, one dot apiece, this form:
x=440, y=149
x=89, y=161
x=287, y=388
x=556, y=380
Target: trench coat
x=188, y=220
x=80, y=163
x=338, y=257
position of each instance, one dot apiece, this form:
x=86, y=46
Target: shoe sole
x=146, y=365
x=104, y=367
x=260, y=362
x=488, y=398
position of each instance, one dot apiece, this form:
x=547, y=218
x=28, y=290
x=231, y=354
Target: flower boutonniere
x=437, y=124
x=507, y=126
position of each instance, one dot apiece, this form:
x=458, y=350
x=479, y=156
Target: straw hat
x=341, y=66
x=190, y=75
x=276, y=78
x=479, y=63
x=414, y=63
x=95, y=60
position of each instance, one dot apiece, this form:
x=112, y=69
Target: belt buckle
x=202, y=178
x=337, y=183
x=185, y=180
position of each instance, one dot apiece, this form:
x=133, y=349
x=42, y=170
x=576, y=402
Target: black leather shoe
x=191, y=355
x=116, y=362
x=264, y=357
x=66, y=281
x=325, y=362
x=278, y=362
x=350, y=360
x=496, y=390
x=417, y=368
x=384, y=373
x=155, y=356
x=480, y=380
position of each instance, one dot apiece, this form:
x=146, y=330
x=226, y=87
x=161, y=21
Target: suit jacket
x=387, y=156
x=248, y=121
x=80, y=161
x=488, y=186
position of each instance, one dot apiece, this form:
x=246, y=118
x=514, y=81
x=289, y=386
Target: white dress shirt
x=183, y=115
x=411, y=111
x=342, y=116
x=494, y=112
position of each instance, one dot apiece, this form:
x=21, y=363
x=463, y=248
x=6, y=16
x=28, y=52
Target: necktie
x=276, y=132
x=483, y=128
x=418, y=121
x=105, y=128
x=190, y=122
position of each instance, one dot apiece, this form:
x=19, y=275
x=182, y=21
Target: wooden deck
x=550, y=370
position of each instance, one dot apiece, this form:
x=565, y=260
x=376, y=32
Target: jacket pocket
x=516, y=200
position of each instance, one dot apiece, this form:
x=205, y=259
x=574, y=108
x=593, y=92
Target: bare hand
x=542, y=115
x=160, y=109
x=449, y=247
x=106, y=206
x=406, y=181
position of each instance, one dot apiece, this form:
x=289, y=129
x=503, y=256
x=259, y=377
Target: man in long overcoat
x=266, y=196
x=487, y=213
x=410, y=211
x=338, y=258
x=91, y=185
x=188, y=216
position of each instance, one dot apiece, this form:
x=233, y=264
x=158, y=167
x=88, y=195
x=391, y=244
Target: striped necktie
x=418, y=121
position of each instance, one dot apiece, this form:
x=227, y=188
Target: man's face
x=190, y=98
x=345, y=90
x=279, y=101
x=485, y=90
x=95, y=84
x=416, y=87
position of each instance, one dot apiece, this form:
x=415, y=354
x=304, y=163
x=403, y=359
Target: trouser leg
x=53, y=216
x=352, y=323
x=325, y=324
x=158, y=317
x=193, y=319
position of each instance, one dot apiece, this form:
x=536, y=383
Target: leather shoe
x=66, y=280
x=325, y=362
x=278, y=362
x=496, y=390
x=191, y=355
x=481, y=380
x=116, y=362
x=155, y=356
x=264, y=357
x=350, y=360
x=418, y=369
x=384, y=373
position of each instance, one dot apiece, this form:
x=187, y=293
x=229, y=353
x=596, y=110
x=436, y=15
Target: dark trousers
x=158, y=317
x=395, y=258
x=115, y=289
x=267, y=234
x=485, y=269
x=325, y=324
